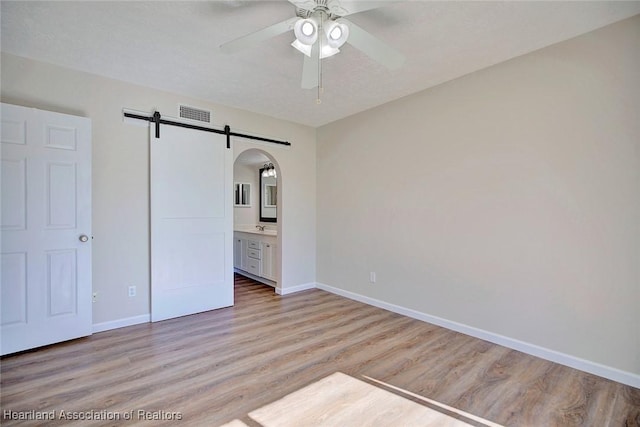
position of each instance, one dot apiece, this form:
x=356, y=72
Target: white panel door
x=191, y=222
x=45, y=279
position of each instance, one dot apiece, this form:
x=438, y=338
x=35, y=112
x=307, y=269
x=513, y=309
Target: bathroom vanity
x=255, y=254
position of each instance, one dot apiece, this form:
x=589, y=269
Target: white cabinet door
x=268, y=260
x=244, y=258
x=237, y=253
x=46, y=214
x=191, y=222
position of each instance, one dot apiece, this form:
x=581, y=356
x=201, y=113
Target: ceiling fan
x=321, y=29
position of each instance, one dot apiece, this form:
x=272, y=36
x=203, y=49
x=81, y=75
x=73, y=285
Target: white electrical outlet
x=372, y=277
x=132, y=291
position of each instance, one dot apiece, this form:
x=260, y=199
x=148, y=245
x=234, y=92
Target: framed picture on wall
x=242, y=194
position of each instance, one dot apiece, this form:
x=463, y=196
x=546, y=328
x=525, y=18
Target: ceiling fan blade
x=374, y=48
x=310, y=69
x=346, y=7
x=253, y=39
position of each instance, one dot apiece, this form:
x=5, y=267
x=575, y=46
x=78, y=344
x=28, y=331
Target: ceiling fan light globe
x=306, y=31
x=337, y=34
x=304, y=48
x=328, y=51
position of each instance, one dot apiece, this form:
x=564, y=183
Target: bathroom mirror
x=268, y=198
x=270, y=195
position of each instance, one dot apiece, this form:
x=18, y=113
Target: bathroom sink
x=266, y=232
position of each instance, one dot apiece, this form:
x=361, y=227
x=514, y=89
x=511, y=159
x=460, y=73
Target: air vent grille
x=196, y=114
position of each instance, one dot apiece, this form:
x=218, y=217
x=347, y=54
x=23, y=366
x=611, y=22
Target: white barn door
x=45, y=276
x=191, y=222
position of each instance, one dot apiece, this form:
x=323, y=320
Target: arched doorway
x=257, y=225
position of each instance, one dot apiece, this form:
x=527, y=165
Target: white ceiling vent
x=196, y=114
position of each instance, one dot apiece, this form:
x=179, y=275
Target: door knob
x=84, y=238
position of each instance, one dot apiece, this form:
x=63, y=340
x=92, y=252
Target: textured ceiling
x=174, y=46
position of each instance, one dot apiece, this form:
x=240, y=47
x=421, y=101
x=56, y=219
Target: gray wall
x=507, y=200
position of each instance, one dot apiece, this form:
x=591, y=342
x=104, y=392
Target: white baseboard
x=293, y=289
x=608, y=372
x=121, y=323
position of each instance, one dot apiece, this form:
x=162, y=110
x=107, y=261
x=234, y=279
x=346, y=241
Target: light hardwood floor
x=218, y=366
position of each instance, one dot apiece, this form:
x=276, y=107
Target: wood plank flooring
x=214, y=367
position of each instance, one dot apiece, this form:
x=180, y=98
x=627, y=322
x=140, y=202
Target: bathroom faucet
x=260, y=227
